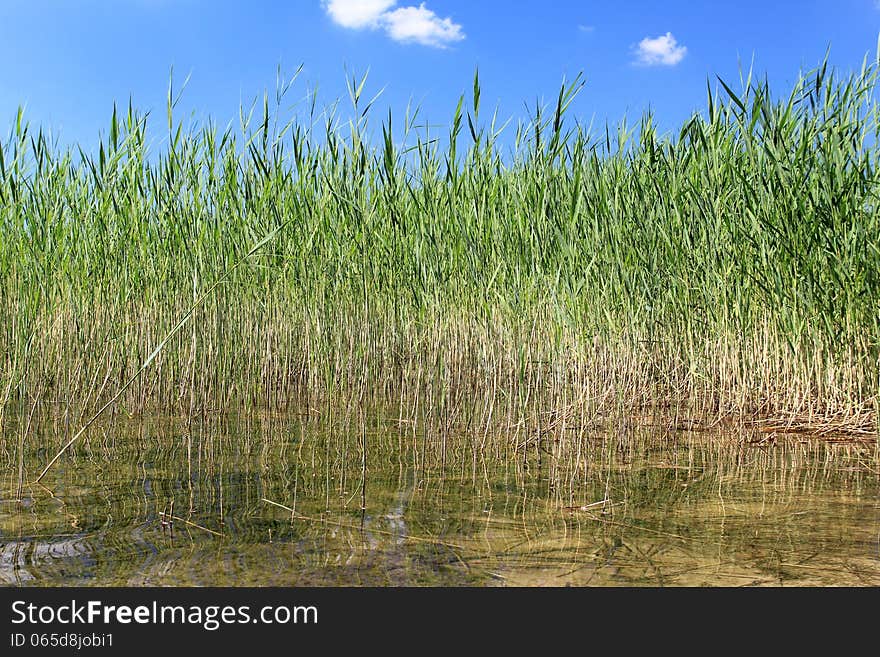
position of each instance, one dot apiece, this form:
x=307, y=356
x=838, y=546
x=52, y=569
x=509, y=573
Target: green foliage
x=758, y=218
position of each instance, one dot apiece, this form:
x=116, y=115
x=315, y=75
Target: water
x=259, y=501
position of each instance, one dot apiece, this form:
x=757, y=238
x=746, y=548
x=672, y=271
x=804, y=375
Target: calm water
x=156, y=503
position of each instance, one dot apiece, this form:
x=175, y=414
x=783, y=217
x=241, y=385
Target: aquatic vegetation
x=539, y=276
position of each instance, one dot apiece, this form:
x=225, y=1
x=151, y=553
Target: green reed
x=540, y=275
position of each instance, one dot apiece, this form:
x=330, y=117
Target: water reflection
x=291, y=503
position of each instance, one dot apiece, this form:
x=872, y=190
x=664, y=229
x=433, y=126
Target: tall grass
x=541, y=275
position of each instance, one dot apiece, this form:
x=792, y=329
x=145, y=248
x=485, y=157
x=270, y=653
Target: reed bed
x=538, y=276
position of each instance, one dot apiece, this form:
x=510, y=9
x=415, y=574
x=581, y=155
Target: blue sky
x=68, y=60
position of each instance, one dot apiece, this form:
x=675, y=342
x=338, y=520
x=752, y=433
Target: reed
x=534, y=277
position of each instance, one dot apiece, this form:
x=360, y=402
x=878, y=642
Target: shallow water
x=279, y=502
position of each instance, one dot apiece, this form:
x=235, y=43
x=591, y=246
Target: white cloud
x=405, y=24
x=661, y=51
x=421, y=25
x=357, y=14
